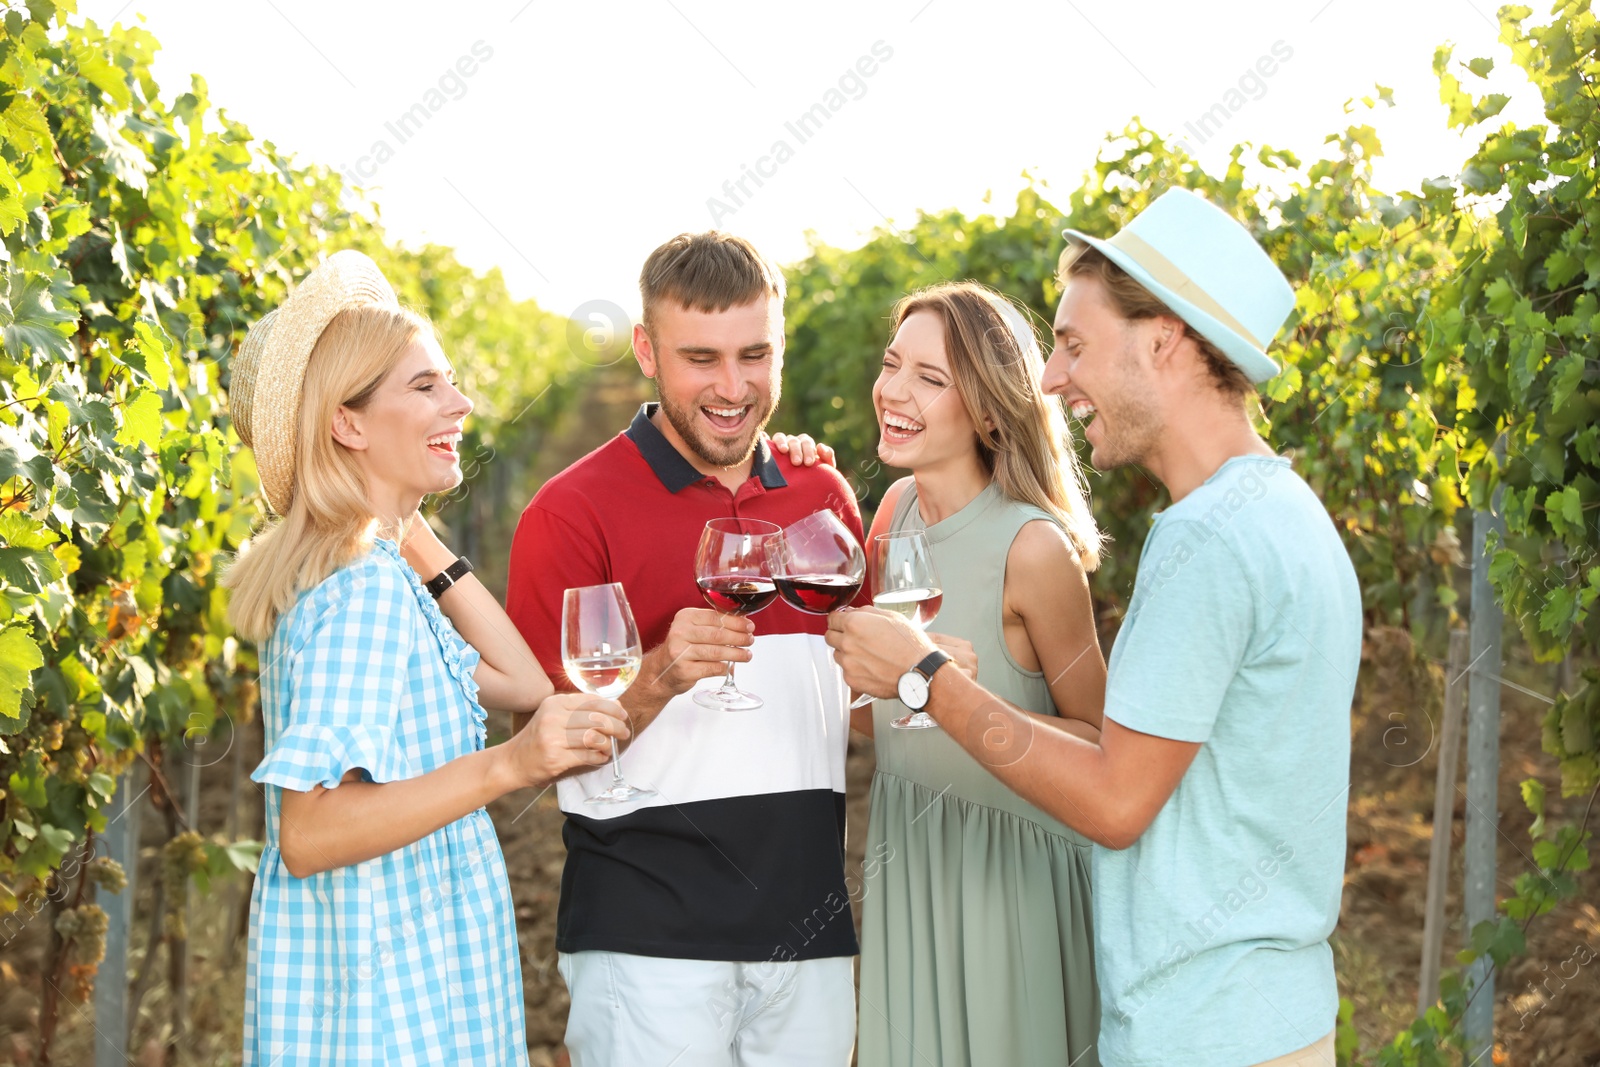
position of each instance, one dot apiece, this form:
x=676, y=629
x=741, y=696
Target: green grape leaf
x=57, y=837
x=141, y=420
x=1533, y=797
x=68, y=556
x=1577, y=735
x=127, y=161
x=1456, y=99
x=10, y=462
x=96, y=69
x=70, y=219
x=1568, y=376
x=1561, y=267
x=243, y=855
x=93, y=509
x=21, y=531
x=102, y=785
x=13, y=206
x=149, y=355
x=1579, y=774
x=24, y=125
x=1502, y=150
x=1500, y=298
x=19, y=658
x=1559, y=612
x=1564, y=509
x=1490, y=106
x=31, y=320
x=85, y=685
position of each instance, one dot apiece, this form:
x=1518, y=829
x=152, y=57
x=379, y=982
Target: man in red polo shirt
x=708, y=923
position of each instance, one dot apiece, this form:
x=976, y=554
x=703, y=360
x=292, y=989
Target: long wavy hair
x=997, y=366
x=330, y=521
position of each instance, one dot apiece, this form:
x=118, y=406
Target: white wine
x=605, y=676
x=917, y=605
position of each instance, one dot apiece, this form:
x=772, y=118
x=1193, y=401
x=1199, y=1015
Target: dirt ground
x=1547, y=1011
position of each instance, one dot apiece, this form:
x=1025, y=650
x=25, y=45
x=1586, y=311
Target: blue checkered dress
x=410, y=958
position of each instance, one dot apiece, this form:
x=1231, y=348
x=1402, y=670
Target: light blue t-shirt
x=1244, y=634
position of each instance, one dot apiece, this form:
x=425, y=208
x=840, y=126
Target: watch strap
x=448, y=577
x=932, y=662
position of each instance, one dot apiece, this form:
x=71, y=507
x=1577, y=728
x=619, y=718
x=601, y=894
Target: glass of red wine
x=906, y=583
x=734, y=571
x=818, y=565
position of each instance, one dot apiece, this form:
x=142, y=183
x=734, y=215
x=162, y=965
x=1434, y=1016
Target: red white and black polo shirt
x=740, y=854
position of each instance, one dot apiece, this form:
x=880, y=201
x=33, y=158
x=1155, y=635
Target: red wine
x=818, y=594
x=738, y=594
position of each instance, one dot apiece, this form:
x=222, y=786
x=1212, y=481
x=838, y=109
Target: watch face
x=913, y=690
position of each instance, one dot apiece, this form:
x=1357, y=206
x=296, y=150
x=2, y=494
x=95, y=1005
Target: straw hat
x=1200, y=262
x=270, y=370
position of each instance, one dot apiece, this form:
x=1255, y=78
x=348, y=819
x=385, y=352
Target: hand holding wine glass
x=905, y=582
x=699, y=644
x=734, y=572
x=601, y=654
x=568, y=731
x=873, y=647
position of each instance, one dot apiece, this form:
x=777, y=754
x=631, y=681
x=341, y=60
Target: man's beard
x=712, y=449
x=1132, y=427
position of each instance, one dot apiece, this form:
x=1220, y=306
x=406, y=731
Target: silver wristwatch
x=914, y=684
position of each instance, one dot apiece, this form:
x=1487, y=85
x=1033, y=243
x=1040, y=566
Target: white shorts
x=643, y=1011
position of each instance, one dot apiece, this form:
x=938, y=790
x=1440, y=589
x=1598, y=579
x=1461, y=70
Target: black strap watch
x=448, y=577
x=915, y=683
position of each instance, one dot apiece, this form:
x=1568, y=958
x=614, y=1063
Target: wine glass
x=818, y=566
x=733, y=572
x=600, y=651
x=905, y=582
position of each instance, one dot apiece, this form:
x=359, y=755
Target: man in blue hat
x=1218, y=785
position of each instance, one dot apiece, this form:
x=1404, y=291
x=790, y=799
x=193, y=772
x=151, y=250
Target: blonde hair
x=330, y=522
x=997, y=366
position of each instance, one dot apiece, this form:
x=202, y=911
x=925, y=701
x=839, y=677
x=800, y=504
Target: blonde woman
x=381, y=925
x=976, y=941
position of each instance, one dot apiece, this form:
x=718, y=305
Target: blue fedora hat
x=1200, y=262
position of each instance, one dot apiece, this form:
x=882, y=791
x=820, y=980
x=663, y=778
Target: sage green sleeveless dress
x=976, y=943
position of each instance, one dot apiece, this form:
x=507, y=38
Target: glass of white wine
x=905, y=582
x=601, y=654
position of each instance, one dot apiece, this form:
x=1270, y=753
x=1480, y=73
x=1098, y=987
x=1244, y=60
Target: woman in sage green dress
x=976, y=941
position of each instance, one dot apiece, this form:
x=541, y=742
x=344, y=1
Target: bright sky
x=563, y=141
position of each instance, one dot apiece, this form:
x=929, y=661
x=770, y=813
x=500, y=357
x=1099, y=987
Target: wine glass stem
x=727, y=680
x=616, y=764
